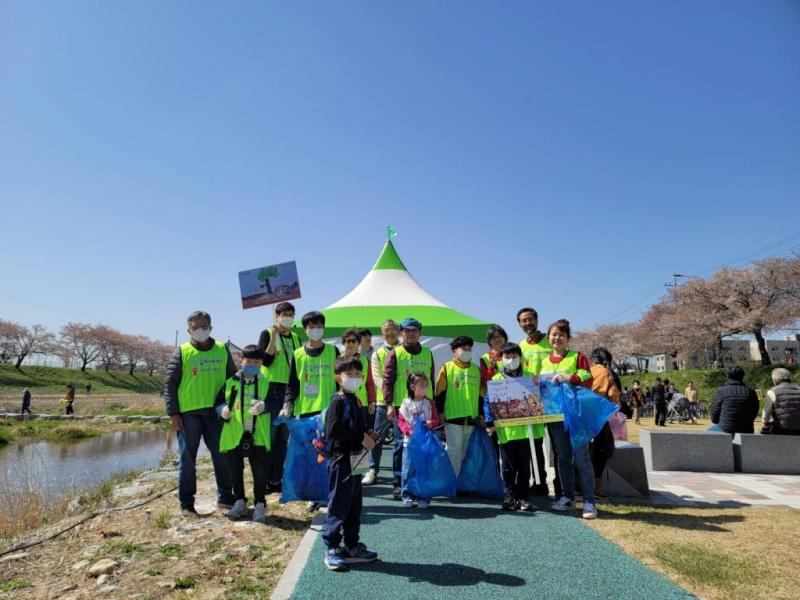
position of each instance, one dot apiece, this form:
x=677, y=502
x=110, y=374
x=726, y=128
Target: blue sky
x=570, y=156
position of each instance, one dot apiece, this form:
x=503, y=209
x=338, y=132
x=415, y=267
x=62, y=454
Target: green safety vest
x=534, y=354
x=487, y=360
x=204, y=374
x=463, y=390
x=361, y=392
x=239, y=403
x=380, y=353
x=317, y=383
x=516, y=432
x=568, y=364
x=407, y=363
x=279, y=369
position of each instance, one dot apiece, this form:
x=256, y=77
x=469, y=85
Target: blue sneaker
x=359, y=554
x=334, y=559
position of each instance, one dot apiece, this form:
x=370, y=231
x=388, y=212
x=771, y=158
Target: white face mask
x=201, y=335
x=315, y=334
x=465, y=356
x=351, y=384
x=511, y=364
x=286, y=322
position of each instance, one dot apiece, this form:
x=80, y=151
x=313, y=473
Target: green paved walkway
x=468, y=548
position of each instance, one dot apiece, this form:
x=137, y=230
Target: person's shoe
x=509, y=503
x=564, y=504
x=422, y=504
x=226, y=502
x=359, y=554
x=312, y=507
x=408, y=503
x=589, y=510
x=260, y=513
x=526, y=506
x=369, y=478
x=396, y=494
x=238, y=511
x=188, y=510
x=334, y=559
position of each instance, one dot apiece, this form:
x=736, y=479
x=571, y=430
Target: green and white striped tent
x=389, y=291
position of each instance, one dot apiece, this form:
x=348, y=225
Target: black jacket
x=344, y=424
x=659, y=392
x=735, y=407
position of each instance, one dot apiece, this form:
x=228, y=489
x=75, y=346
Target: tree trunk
x=83, y=365
x=20, y=358
x=762, y=347
x=130, y=371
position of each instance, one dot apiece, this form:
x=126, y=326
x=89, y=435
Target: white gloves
x=285, y=412
x=562, y=378
x=257, y=409
x=226, y=413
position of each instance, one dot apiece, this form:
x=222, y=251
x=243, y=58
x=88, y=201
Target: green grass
x=51, y=431
x=162, y=520
x=14, y=584
x=186, y=582
x=55, y=379
x=246, y=585
x=705, y=566
x=169, y=550
x=154, y=572
x=125, y=548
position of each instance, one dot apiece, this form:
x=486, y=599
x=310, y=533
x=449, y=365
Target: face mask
x=511, y=364
x=201, y=335
x=286, y=322
x=315, y=334
x=351, y=384
x=465, y=356
x=250, y=370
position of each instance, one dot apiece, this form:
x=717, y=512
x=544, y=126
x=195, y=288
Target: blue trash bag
x=304, y=477
x=479, y=475
x=585, y=411
x=431, y=473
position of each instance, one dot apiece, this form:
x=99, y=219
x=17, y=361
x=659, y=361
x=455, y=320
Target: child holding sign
x=515, y=447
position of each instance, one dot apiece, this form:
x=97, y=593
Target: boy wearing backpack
x=347, y=435
x=246, y=432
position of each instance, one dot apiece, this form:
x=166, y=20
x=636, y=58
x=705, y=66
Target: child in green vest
x=246, y=432
x=459, y=398
x=515, y=447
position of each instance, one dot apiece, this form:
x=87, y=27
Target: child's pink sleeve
x=402, y=423
x=435, y=415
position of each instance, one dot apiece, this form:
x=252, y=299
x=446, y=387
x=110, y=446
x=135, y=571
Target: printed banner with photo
x=517, y=401
x=269, y=285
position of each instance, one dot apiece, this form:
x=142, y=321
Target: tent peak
x=389, y=259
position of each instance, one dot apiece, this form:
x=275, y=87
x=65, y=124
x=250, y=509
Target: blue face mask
x=250, y=370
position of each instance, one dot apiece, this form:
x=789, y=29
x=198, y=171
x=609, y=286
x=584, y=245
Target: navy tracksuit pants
x=344, y=505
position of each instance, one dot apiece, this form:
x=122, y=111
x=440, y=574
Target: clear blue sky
x=570, y=156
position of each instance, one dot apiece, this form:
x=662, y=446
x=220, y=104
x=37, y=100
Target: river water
x=57, y=467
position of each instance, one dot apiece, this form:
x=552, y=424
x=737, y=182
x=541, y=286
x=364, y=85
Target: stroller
x=679, y=409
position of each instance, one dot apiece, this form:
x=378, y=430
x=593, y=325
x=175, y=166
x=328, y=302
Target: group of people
x=362, y=390
x=659, y=395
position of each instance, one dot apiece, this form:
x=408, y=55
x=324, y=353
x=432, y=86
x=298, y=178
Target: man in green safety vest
x=197, y=371
x=279, y=345
x=391, y=335
x=312, y=381
x=400, y=363
x=459, y=399
x=535, y=348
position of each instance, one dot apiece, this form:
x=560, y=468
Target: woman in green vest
x=572, y=368
x=246, y=432
x=515, y=447
x=366, y=391
x=492, y=361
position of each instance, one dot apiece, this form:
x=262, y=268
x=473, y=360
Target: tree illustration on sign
x=265, y=275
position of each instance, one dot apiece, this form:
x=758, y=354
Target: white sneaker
x=238, y=511
x=260, y=513
x=422, y=504
x=369, y=478
x=589, y=510
x=408, y=503
x=563, y=504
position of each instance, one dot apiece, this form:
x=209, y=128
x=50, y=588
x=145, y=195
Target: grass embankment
x=54, y=380
x=59, y=431
x=714, y=552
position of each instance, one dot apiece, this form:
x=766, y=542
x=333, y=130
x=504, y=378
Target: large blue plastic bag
x=431, y=473
x=479, y=475
x=304, y=477
x=585, y=412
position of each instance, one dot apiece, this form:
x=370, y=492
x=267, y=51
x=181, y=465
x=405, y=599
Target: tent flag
x=390, y=232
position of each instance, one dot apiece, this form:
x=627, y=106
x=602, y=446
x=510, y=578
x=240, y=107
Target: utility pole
x=675, y=276
x=176, y=338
